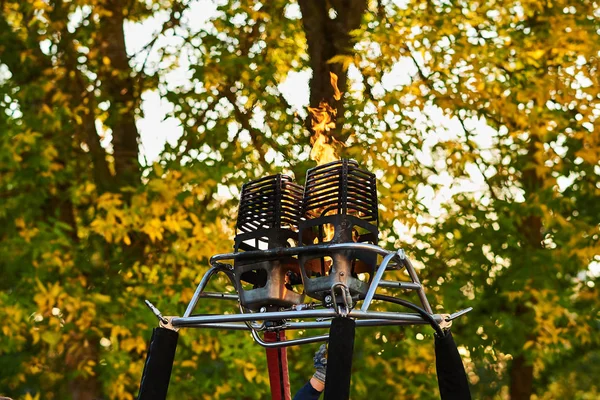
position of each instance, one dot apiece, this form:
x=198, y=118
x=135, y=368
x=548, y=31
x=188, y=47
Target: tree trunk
x=58, y=205
x=521, y=379
x=521, y=370
x=76, y=85
x=85, y=389
x=118, y=87
x=327, y=26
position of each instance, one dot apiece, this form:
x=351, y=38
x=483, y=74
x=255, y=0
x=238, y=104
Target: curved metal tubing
x=399, y=285
x=200, y=288
x=247, y=321
x=292, y=251
x=217, y=295
x=239, y=326
x=287, y=343
x=421, y=292
x=359, y=323
x=280, y=315
x=375, y=282
x=234, y=326
x=322, y=338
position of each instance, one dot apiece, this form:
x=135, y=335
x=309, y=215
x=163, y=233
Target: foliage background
x=479, y=118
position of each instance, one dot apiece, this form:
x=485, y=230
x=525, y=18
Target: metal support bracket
x=335, y=306
x=163, y=322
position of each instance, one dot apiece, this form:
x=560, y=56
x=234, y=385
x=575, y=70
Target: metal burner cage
x=268, y=218
x=451, y=375
x=339, y=206
x=282, y=237
x=275, y=246
x=315, y=315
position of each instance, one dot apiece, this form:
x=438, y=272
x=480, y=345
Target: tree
x=518, y=248
x=492, y=105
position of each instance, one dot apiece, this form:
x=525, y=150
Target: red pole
x=277, y=364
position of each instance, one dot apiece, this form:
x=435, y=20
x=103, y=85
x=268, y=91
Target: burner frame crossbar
x=280, y=320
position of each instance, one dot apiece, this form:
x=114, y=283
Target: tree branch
x=244, y=119
x=119, y=87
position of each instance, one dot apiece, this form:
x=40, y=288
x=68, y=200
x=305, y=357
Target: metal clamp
x=346, y=298
x=163, y=322
x=249, y=324
x=156, y=312
x=446, y=322
x=168, y=324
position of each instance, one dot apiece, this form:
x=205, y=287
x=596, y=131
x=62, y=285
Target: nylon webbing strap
x=159, y=363
x=278, y=367
x=339, y=359
x=452, y=378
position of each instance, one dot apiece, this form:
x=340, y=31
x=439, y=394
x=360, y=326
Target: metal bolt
x=328, y=299
x=401, y=254
x=263, y=309
x=341, y=273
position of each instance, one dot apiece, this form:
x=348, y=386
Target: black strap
x=339, y=359
x=452, y=378
x=159, y=363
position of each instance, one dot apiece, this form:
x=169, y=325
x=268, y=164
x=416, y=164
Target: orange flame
x=324, y=146
x=333, y=78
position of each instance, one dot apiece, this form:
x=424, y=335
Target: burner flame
x=333, y=78
x=324, y=146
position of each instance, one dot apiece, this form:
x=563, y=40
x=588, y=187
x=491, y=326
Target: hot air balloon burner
x=339, y=206
x=268, y=217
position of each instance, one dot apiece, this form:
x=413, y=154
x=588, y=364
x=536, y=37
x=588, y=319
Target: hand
x=320, y=363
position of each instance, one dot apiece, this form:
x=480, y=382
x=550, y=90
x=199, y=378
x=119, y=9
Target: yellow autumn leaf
x=250, y=371
x=343, y=59
x=29, y=397
x=528, y=344
x=46, y=109
x=189, y=364
x=101, y=298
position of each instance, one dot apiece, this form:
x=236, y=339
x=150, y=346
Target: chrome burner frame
x=311, y=315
